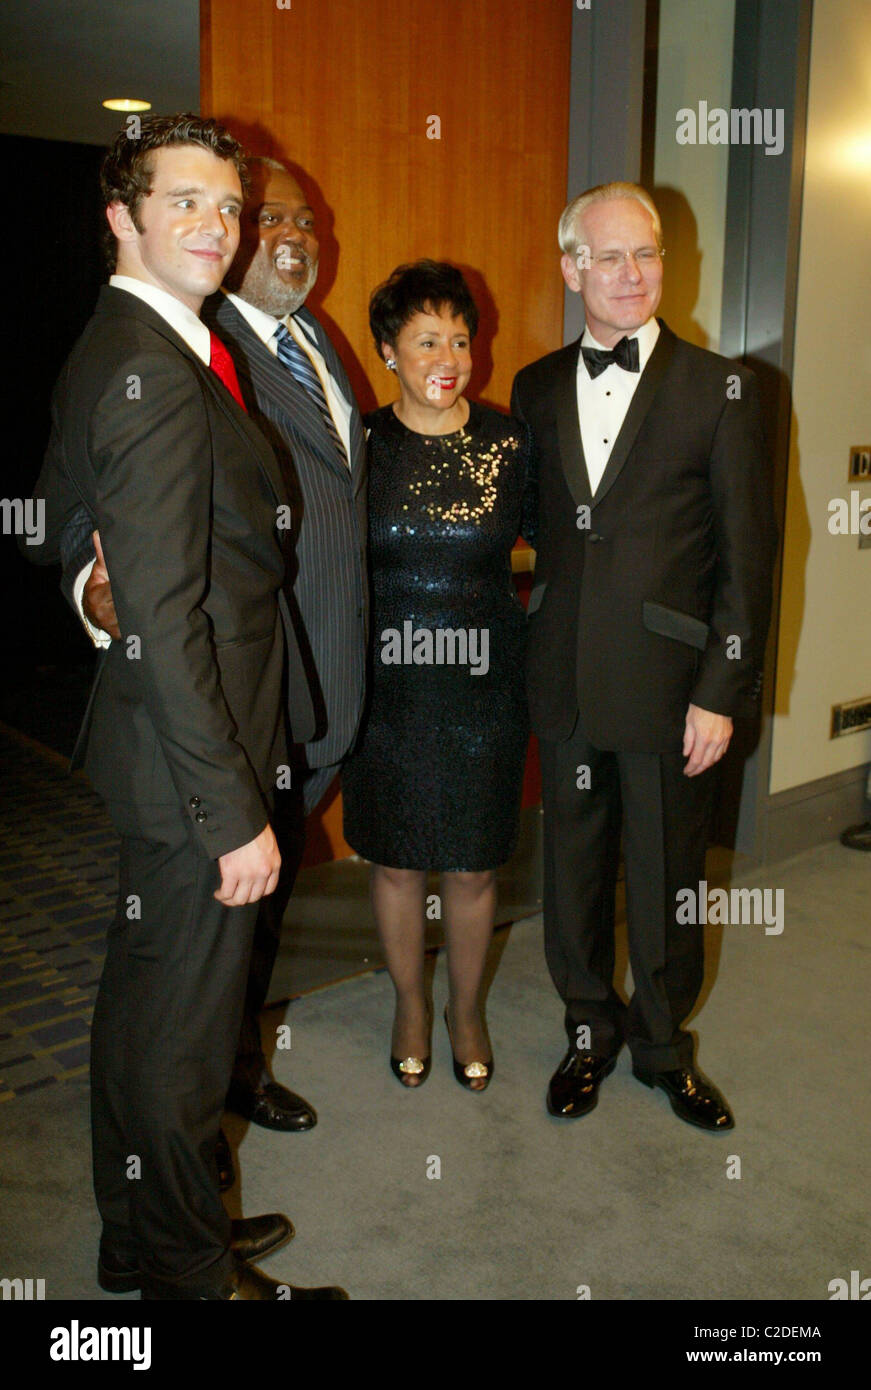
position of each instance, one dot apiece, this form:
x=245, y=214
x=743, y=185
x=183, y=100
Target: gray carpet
x=627, y=1201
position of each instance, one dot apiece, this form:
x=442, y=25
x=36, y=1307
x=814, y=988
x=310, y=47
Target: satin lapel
x=641, y=402
x=568, y=428
x=113, y=300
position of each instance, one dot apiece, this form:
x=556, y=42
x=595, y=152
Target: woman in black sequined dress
x=435, y=780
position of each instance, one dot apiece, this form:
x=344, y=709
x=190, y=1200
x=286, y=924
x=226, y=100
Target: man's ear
x=571, y=274
x=119, y=219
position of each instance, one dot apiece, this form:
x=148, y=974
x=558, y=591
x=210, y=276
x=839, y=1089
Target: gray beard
x=262, y=288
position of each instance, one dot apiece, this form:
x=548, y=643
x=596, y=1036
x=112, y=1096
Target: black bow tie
x=625, y=354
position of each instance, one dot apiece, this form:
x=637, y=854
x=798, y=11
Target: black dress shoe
x=857, y=836
x=693, y=1097
x=251, y=1238
x=246, y=1282
x=224, y=1159
x=271, y=1105
x=574, y=1086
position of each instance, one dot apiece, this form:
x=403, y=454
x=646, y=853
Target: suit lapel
x=568, y=428
x=640, y=404
x=254, y=437
x=274, y=384
x=113, y=300
x=340, y=376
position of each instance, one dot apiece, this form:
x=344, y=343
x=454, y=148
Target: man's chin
x=276, y=297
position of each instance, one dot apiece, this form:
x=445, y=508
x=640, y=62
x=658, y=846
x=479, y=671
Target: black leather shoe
x=246, y=1282
x=574, y=1086
x=693, y=1097
x=857, y=836
x=115, y=1274
x=226, y=1169
x=251, y=1238
x=271, y=1105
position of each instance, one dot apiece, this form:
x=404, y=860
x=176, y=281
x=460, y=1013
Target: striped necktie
x=302, y=369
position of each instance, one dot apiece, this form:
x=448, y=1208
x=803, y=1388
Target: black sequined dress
x=435, y=779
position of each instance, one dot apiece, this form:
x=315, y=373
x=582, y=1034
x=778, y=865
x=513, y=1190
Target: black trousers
x=292, y=805
x=164, y=1035
x=664, y=817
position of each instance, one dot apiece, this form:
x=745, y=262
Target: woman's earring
x=390, y=364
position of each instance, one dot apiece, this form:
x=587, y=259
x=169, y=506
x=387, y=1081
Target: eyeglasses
x=609, y=262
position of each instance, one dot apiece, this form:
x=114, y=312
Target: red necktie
x=221, y=364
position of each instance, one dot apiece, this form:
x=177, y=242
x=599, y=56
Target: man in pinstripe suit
x=297, y=391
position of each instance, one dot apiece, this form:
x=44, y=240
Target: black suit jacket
x=326, y=551
x=664, y=597
x=187, y=708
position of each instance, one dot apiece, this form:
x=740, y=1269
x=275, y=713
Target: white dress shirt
x=192, y=331
x=604, y=400
x=264, y=325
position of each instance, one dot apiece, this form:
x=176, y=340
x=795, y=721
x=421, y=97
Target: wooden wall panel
x=342, y=91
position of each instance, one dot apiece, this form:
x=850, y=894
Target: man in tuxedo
x=296, y=389
x=185, y=732
x=647, y=624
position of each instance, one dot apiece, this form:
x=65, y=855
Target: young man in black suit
x=185, y=733
x=320, y=444
x=647, y=624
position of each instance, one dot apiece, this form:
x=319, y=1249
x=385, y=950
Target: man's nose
x=215, y=223
x=630, y=266
x=289, y=231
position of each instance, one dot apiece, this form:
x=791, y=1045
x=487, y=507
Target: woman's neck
x=431, y=421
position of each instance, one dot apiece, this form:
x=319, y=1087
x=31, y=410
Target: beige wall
x=824, y=646
x=695, y=64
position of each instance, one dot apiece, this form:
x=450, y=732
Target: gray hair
x=569, y=238
x=266, y=162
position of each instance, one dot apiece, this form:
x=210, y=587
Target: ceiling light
x=127, y=104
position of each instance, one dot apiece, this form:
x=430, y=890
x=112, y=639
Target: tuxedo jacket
x=326, y=581
x=186, y=709
x=654, y=592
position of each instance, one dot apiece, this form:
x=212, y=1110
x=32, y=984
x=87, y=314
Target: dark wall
x=52, y=270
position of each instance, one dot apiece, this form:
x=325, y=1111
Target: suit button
x=594, y=536
x=194, y=802
x=200, y=817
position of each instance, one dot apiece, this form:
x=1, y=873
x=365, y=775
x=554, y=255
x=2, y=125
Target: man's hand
x=250, y=872
x=706, y=738
x=97, y=602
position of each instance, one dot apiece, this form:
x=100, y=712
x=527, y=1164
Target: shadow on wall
x=792, y=506
x=682, y=265
x=259, y=139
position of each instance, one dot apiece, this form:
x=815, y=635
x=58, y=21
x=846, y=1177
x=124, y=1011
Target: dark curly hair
x=127, y=173
x=415, y=289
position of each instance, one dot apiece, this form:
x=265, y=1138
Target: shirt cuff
x=96, y=634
